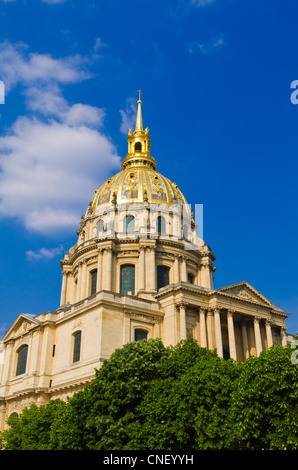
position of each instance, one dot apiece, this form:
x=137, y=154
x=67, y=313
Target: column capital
x=216, y=309
x=257, y=319
x=203, y=309
x=181, y=305
x=230, y=312
x=210, y=312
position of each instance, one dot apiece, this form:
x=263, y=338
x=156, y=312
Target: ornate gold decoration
x=132, y=180
x=156, y=183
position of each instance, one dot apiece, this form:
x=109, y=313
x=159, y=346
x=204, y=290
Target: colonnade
x=76, y=282
x=211, y=327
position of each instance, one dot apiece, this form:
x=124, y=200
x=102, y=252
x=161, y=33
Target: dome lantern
x=139, y=144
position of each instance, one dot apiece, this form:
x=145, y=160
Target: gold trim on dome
x=138, y=181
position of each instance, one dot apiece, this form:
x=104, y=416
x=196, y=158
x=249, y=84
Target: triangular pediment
x=245, y=291
x=21, y=325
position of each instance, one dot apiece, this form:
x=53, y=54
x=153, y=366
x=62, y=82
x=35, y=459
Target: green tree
x=264, y=405
x=188, y=407
x=101, y=416
x=31, y=429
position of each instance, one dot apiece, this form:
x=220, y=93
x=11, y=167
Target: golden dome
x=138, y=185
x=138, y=181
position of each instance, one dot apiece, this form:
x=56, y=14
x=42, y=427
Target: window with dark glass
x=93, y=281
x=77, y=346
x=140, y=334
x=185, y=231
x=138, y=147
x=127, y=279
x=22, y=360
x=160, y=224
x=129, y=224
x=162, y=276
x=100, y=226
x=190, y=278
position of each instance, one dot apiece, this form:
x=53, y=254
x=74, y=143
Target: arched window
x=185, y=231
x=22, y=360
x=140, y=334
x=129, y=224
x=160, y=225
x=138, y=147
x=77, y=338
x=162, y=276
x=93, y=281
x=127, y=279
x=100, y=226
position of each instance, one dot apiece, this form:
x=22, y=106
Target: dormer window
x=100, y=226
x=138, y=147
x=160, y=225
x=129, y=224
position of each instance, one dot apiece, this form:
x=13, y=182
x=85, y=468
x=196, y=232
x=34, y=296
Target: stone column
x=205, y=273
x=107, y=275
x=150, y=268
x=269, y=334
x=257, y=336
x=203, y=336
x=283, y=336
x=83, y=280
x=176, y=270
x=210, y=317
x=218, y=336
x=231, y=334
x=99, y=271
x=183, y=269
x=142, y=268
x=64, y=286
x=126, y=328
x=182, y=308
x=7, y=366
x=245, y=339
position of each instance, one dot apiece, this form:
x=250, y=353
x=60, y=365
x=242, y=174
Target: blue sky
x=216, y=79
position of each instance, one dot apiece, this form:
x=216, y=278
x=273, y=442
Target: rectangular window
x=22, y=360
x=127, y=279
x=77, y=346
x=162, y=276
x=54, y=350
x=93, y=282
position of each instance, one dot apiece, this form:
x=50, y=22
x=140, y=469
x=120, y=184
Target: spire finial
x=140, y=93
x=139, y=122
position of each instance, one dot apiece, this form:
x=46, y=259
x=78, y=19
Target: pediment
x=20, y=327
x=245, y=291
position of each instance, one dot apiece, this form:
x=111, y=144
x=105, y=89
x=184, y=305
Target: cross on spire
x=140, y=93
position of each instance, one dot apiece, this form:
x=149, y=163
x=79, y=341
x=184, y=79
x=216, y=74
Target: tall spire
x=139, y=122
x=139, y=145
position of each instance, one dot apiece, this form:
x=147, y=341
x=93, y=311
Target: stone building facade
x=138, y=270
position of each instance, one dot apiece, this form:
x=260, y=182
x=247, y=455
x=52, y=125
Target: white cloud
x=202, y=3
x=52, y=161
x=19, y=66
x=128, y=116
x=51, y=2
x=49, y=172
x=44, y=253
x=99, y=44
x=205, y=48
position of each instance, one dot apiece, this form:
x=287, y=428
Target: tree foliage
x=185, y=397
